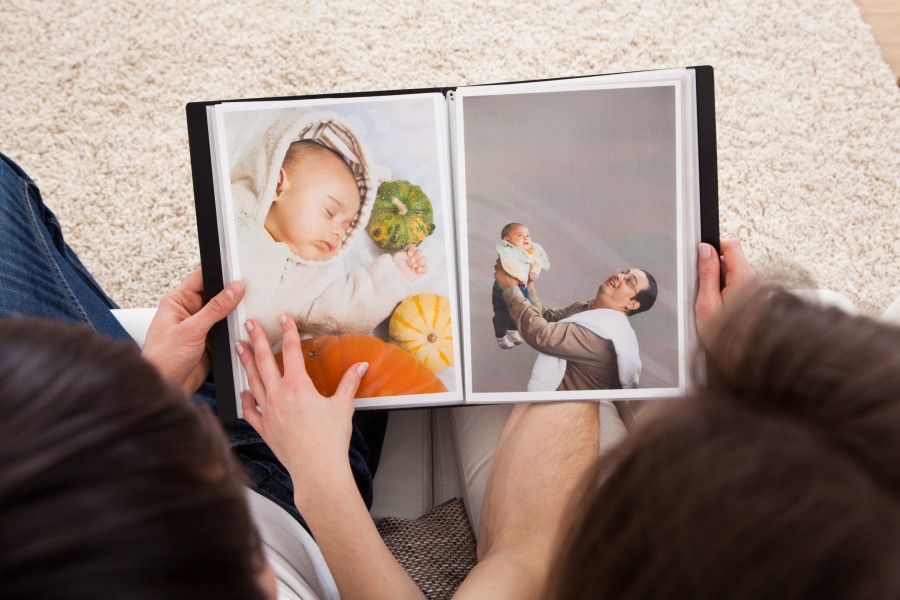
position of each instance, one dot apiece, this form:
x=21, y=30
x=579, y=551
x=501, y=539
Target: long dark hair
x=113, y=485
x=779, y=478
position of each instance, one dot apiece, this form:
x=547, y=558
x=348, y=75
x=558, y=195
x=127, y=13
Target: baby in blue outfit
x=524, y=260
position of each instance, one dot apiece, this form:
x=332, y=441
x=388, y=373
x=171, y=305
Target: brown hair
x=114, y=484
x=507, y=228
x=646, y=297
x=778, y=478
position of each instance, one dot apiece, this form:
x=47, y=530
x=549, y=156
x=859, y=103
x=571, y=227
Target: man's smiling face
x=619, y=290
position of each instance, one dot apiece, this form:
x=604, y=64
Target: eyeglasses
x=630, y=280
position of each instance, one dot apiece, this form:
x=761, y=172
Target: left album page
x=338, y=213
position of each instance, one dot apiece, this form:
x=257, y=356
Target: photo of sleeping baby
x=587, y=178
x=339, y=215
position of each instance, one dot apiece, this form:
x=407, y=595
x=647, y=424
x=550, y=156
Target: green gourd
x=402, y=215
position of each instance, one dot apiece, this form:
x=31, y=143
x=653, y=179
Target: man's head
x=631, y=291
x=316, y=201
x=517, y=235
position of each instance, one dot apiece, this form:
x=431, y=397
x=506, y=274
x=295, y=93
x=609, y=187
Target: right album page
x=578, y=221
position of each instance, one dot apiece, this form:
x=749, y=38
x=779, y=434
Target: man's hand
x=720, y=278
x=504, y=279
x=309, y=433
x=176, y=339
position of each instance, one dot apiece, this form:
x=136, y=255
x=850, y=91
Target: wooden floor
x=883, y=16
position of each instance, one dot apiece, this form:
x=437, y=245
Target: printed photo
x=572, y=208
x=338, y=215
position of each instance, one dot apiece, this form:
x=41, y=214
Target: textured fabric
x=806, y=109
x=40, y=275
x=437, y=549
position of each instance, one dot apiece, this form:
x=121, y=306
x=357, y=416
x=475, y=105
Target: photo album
x=512, y=242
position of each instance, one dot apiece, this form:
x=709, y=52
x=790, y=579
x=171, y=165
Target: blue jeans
x=40, y=276
x=501, y=320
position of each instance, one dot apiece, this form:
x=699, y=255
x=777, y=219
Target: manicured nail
x=239, y=348
x=705, y=251
x=282, y=318
x=248, y=325
x=361, y=368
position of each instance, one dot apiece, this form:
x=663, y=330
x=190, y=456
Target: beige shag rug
x=92, y=97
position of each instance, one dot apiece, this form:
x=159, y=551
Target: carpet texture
x=93, y=97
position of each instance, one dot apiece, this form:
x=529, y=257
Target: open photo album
x=513, y=242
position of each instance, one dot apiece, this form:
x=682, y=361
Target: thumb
x=349, y=384
x=708, y=269
x=219, y=306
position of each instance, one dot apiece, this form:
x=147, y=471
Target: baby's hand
x=411, y=262
x=532, y=276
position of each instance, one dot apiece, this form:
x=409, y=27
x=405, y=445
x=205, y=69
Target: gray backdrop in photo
x=592, y=174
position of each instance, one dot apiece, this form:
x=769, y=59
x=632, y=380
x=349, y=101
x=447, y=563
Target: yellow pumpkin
x=422, y=326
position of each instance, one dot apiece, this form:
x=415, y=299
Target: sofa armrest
x=136, y=322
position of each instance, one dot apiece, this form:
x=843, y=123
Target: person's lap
x=41, y=277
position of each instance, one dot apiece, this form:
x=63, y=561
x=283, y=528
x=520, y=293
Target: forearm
x=561, y=340
x=362, y=566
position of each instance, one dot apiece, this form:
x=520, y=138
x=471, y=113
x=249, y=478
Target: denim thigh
x=40, y=275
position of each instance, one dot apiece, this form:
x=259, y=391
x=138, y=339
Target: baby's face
x=315, y=205
x=519, y=237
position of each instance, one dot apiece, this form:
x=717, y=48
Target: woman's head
x=778, y=478
x=114, y=484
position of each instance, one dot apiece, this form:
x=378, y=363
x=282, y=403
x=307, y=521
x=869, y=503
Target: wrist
x=323, y=484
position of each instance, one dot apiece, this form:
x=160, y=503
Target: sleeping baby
x=302, y=195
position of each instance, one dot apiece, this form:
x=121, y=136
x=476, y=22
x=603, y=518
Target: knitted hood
x=255, y=177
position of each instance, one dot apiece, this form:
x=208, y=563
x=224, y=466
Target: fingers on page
x=291, y=349
x=349, y=384
x=265, y=360
x=252, y=410
x=248, y=361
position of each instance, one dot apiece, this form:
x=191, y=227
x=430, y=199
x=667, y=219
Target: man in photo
x=587, y=345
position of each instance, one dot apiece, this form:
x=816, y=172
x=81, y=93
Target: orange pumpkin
x=392, y=371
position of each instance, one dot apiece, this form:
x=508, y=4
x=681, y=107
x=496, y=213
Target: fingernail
x=282, y=318
x=229, y=292
x=248, y=325
x=704, y=251
x=361, y=368
x=239, y=348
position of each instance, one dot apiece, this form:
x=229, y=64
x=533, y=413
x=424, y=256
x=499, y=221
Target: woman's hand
x=309, y=433
x=720, y=279
x=176, y=339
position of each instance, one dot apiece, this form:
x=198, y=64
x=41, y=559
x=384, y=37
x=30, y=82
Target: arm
x=550, y=314
x=562, y=340
x=310, y=435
